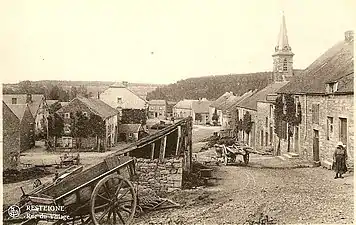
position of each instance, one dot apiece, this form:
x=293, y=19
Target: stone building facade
x=11, y=139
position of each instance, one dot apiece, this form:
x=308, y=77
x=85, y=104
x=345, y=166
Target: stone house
x=37, y=104
x=119, y=96
x=216, y=106
x=170, y=105
x=88, y=107
x=201, y=111
x=130, y=132
x=195, y=108
x=325, y=92
x=249, y=104
x=11, y=138
x=157, y=109
x=26, y=124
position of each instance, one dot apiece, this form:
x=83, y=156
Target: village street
x=268, y=185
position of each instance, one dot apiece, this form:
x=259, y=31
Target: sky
x=160, y=41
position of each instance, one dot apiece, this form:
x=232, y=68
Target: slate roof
x=21, y=99
x=240, y=99
x=95, y=105
x=200, y=106
x=129, y=128
x=139, y=91
x=184, y=104
x=51, y=102
x=251, y=102
x=18, y=109
x=221, y=100
x=334, y=64
x=157, y=102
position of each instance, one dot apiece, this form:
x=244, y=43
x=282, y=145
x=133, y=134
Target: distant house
x=11, y=138
x=37, y=104
x=201, y=111
x=119, y=96
x=216, y=107
x=170, y=105
x=249, y=105
x=325, y=91
x=88, y=107
x=197, y=109
x=25, y=123
x=130, y=132
x=157, y=109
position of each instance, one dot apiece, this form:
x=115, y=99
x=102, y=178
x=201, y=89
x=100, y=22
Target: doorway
x=343, y=131
x=296, y=140
x=316, y=146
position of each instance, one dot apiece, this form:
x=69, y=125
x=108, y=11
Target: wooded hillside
x=211, y=87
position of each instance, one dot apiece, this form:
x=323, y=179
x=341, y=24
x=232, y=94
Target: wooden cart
x=102, y=194
x=229, y=153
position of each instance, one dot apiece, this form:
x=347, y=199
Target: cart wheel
x=246, y=158
x=113, y=201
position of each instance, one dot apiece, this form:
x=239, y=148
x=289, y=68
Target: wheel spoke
x=104, y=214
x=125, y=209
x=124, y=201
x=128, y=189
x=118, y=188
x=107, y=190
x=101, y=206
x=104, y=198
x=120, y=216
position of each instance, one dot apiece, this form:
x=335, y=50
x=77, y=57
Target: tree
x=54, y=93
x=73, y=92
x=80, y=127
x=55, y=127
x=215, y=117
x=278, y=118
x=292, y=117
x=132, y=116
x=247, y=124
x=25, y=87
x=82, y=91
x=97, y=128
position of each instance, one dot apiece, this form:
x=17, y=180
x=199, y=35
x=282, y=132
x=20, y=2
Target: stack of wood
x=149, y=200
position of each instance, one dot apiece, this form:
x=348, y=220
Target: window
x=66, y=115
x=119, y=100
x=85, y=114
x=14, y=101
x=330, y=127
x=266, y=121
x=331, y=87
x=285, y=65
x=66, y=129
x=160, y=108
x=130, y=135
x=315, y=113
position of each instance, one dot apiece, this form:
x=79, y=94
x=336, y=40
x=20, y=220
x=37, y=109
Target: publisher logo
x=14, y=211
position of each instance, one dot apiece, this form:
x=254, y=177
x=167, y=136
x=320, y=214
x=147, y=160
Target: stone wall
x=165, y=176
x=263, y=112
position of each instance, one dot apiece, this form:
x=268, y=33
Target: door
x=343, y=131
x=296, y=140
x=316, y=146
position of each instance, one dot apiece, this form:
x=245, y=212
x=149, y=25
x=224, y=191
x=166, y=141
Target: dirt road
x=302, y=195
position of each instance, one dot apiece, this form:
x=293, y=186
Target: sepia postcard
x=177, y=112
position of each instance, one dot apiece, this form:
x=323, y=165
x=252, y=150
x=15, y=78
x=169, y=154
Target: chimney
x=125, y=83
x=349, y=35
x=29, y=98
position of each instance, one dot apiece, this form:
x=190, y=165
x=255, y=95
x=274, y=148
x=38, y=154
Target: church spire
x=283, y=56
x=282, y=44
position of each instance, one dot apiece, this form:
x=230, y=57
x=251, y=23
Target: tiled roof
x=200, y=106
x=18, y=109
x=240, y=99
x=21, y=99
x=184, y=104
x=95, y=105
x=221, y=100
x=157, y=102
x=51, y=102
x=334, y=64
x=251, y=102
x=129, y=128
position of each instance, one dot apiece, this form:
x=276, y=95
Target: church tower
x=283, y=56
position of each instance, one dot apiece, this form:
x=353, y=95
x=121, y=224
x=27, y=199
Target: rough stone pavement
x=288, y=195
